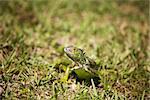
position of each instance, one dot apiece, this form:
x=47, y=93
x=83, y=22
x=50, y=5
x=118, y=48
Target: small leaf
x=131, y=70
x=65, y=78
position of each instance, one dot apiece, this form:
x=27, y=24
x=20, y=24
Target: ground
x=33, y=34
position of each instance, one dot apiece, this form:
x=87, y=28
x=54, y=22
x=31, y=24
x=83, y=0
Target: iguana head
x=74, y=53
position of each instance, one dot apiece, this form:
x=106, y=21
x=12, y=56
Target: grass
x=114, y=33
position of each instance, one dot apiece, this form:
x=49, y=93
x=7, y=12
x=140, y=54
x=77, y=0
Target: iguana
x=84, y=67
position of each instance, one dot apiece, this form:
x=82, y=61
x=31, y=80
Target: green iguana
x=84, y=67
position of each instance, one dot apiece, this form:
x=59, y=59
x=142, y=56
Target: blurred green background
x=33, y=34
